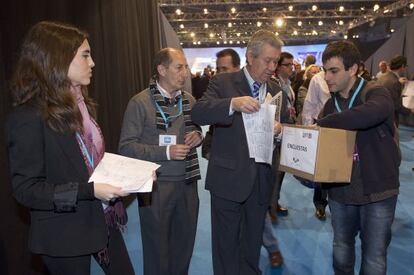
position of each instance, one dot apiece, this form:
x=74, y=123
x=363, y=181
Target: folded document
x=133, y=175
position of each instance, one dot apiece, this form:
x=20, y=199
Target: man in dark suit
x=394, y=81
x=240, y=188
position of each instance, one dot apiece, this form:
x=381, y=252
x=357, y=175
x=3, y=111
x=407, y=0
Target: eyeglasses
x=287, y=64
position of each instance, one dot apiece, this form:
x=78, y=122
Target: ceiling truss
x=212, y=22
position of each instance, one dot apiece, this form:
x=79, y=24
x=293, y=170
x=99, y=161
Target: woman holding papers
x=54, y=145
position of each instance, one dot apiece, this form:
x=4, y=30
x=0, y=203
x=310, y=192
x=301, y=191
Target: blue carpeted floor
x=305, y=242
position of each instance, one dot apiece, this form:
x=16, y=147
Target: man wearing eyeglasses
x=283, y=72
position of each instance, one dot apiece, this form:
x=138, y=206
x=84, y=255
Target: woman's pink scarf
x=91, y=135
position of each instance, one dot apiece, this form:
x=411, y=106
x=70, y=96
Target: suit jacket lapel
x=242, y=84
x=270, y=88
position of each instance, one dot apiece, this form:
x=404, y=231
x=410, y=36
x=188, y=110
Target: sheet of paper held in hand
x=133, y=175
x=259, y=128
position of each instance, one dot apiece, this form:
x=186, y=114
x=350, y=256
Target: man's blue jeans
x=373, y=222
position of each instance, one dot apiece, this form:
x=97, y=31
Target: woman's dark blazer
x=50, y=177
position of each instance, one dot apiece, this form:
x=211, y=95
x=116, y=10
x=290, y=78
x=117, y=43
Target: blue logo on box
x=167, y=139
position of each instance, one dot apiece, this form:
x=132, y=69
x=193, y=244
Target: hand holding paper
x=107, y=192
x=245, y=104
x=277, y=129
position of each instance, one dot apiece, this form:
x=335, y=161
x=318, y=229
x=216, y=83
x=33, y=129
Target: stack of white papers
x=259, y=133
x=259, y=128
x=133, y=175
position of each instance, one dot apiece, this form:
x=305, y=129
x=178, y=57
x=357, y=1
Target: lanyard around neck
x=89, y=157
x=168, y=119
x=351, y=102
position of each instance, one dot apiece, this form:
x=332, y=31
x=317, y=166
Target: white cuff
x=201, y=135
x=231, y=110
x=168, y=152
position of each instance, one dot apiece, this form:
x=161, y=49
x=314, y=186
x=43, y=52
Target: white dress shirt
x=318, y=94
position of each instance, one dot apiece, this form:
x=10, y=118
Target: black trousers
x=119, y=262
x=278, y=179
x=168, y=228
x=237, y=229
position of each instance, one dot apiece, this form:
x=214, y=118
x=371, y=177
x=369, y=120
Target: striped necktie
x=256, y=88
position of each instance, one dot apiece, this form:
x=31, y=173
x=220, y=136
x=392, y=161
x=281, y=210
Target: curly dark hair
x=41, y=75
x=343, y=49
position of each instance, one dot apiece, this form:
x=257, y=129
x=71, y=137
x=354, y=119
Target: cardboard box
x=317, y=154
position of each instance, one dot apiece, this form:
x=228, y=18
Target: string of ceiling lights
x=215, y=23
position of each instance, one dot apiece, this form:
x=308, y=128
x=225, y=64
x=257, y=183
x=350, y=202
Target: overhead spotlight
x=178, y=12
x=238, y=34
x=346, y=36
x=199, y=43
x=231, y=41
x=300, y=23
x=192, y=34
x=279, y=22
x=290, y=8
x=264, y=9
x=259, y=24
x=194, y=43
x=341, y=22
x=233, y=10
x=181, y=26
x=225, y=42
x=320, y=23
x=411, y=6
x=314, y=32
x=181, y=43
x=333, y=31
x=386, y=11
x=376, y=7
x=205, y=11
x=314, y=7
x=229, y=25
x=276, y=33
x=205, y=25
x=341, y=8
x=218, y=42
x=295, y=32
x=238, y=42
x=362, y=8
x=211, y=35
x=392, y=30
